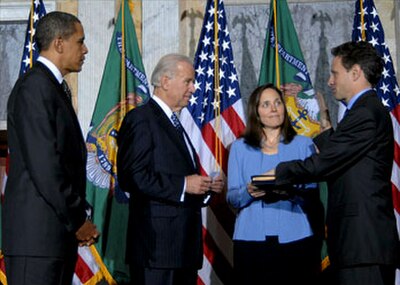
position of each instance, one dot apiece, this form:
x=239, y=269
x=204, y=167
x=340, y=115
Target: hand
x=198, y=185
x=87, y=234
x=325, y=120
x=254, y=191
x=291, y=89
x=217, y=184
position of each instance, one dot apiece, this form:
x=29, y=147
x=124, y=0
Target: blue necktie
x=176, y=123
x=178, y=126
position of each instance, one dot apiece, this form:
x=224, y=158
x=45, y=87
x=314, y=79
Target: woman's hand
x=254, y=191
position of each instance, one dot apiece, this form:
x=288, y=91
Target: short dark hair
x=53, y=25
x=253, y=133
x=363, y=54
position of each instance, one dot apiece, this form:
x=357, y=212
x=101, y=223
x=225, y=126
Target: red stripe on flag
x=211, y=140
x=224, y=215
x=199, y=281
x=216, y=258
x=396, y=198
x=397, y=153
x=234, y=121
x=395, y=190
x=82, y=270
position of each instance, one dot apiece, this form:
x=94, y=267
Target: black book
x=273, y=193
x=263, y=182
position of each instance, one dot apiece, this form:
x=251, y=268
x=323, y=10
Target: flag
x=214, y=118
x=283, y=65
x=29, y=56
x=123, y=86
x=368, y=27
x=31, y=51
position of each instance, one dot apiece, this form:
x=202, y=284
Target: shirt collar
x=53, y=68
x=356, y=97
x=167, y=110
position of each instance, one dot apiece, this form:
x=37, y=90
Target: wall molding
x=17, y=11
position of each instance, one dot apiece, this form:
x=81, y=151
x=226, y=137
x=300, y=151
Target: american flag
x=214, y=118
x=368, y=27
x=31, y=51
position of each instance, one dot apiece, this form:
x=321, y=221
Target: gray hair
x=167, y=66
x=53, y=25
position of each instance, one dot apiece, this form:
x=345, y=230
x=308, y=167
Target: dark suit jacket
x=45, y=192
x=152, y=161
x=356, y=160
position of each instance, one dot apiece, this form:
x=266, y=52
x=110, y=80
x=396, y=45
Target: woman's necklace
x=270, y=145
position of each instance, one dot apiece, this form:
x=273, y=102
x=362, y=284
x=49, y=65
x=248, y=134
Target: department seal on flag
x=101, y=147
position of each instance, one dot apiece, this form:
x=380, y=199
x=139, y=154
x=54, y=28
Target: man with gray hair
x=157, y=165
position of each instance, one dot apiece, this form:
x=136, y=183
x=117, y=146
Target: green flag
x=283, y=65
x=124, y=85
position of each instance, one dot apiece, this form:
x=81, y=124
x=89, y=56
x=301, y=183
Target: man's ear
x=58, y=44
x=164, y=82
x=356, y=72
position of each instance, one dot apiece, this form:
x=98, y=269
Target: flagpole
x=278, y=76
x=31, y=34
x=362, y=20
x=217, y=110
x=123, y=67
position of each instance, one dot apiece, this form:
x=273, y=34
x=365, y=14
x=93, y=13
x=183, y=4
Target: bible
x=263, y=182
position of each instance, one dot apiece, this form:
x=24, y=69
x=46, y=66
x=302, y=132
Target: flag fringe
x=103, y=272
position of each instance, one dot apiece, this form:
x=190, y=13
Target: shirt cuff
x=182, y=199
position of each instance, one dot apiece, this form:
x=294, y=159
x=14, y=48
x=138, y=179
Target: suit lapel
x=171, y=132
x=68, y=104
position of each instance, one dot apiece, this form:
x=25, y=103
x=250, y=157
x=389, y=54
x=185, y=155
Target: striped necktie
x=176, y=123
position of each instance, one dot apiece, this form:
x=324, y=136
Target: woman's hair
x=253, y=133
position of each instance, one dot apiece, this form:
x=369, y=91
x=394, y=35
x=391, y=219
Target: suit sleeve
x=138, y=164
x=339, y=150
x=37, y=124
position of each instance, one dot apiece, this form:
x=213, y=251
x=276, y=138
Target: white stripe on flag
x=206, y=157
x=207, y=273
x=220, y=237
x=396, y=128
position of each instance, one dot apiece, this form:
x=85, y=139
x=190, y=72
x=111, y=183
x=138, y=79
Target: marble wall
x=318, y=31
x=174, y=26
x=13, y=18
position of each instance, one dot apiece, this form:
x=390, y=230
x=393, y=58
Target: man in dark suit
x=157, y=164
x=44, y=213
x=356, y=161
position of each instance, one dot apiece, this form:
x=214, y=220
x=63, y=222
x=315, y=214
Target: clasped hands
x=200, y=185
x=87, y=234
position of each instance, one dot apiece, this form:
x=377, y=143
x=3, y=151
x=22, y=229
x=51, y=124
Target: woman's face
x=271, y=109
